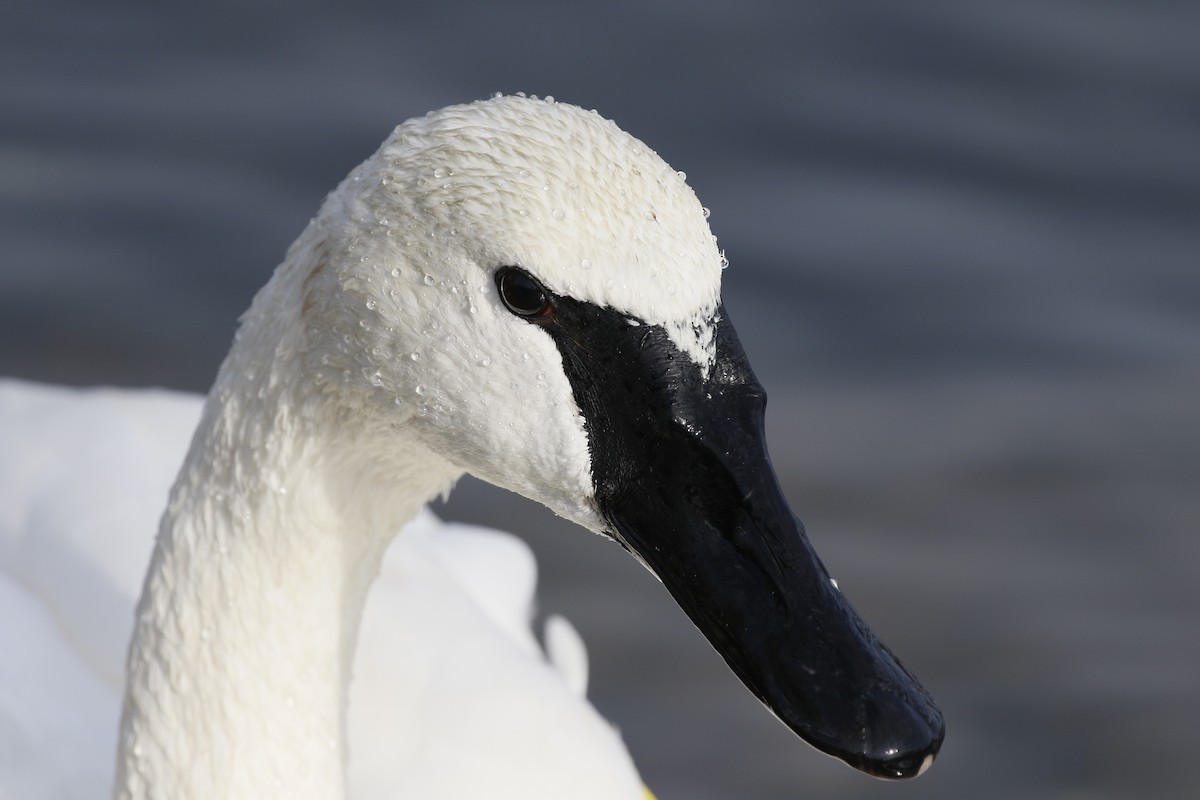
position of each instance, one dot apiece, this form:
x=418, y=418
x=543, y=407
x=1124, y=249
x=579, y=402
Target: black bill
x=681, y=473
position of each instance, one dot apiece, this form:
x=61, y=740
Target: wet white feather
x=375, y=367
x=446, y=666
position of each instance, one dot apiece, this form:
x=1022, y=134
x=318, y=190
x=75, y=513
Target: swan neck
x=245, y=632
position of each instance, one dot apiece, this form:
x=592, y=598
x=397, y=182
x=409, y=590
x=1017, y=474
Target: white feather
x=452, y=698
x=375, y=367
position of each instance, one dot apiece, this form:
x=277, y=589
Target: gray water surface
x=965, y=246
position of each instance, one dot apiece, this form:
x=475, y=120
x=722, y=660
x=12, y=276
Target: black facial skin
x=681, y=474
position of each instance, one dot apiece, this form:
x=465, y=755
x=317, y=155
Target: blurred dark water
x=965, y=242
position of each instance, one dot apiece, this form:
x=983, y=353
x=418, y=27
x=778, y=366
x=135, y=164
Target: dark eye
x=522, y=295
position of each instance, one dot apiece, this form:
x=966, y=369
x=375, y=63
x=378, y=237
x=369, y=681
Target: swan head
x=534, y=295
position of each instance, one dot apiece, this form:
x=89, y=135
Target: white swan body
x=451, y=697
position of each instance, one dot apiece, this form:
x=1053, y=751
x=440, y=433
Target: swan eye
x=522, y=295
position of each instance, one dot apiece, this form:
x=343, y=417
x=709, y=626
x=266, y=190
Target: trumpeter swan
x=517, y=289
